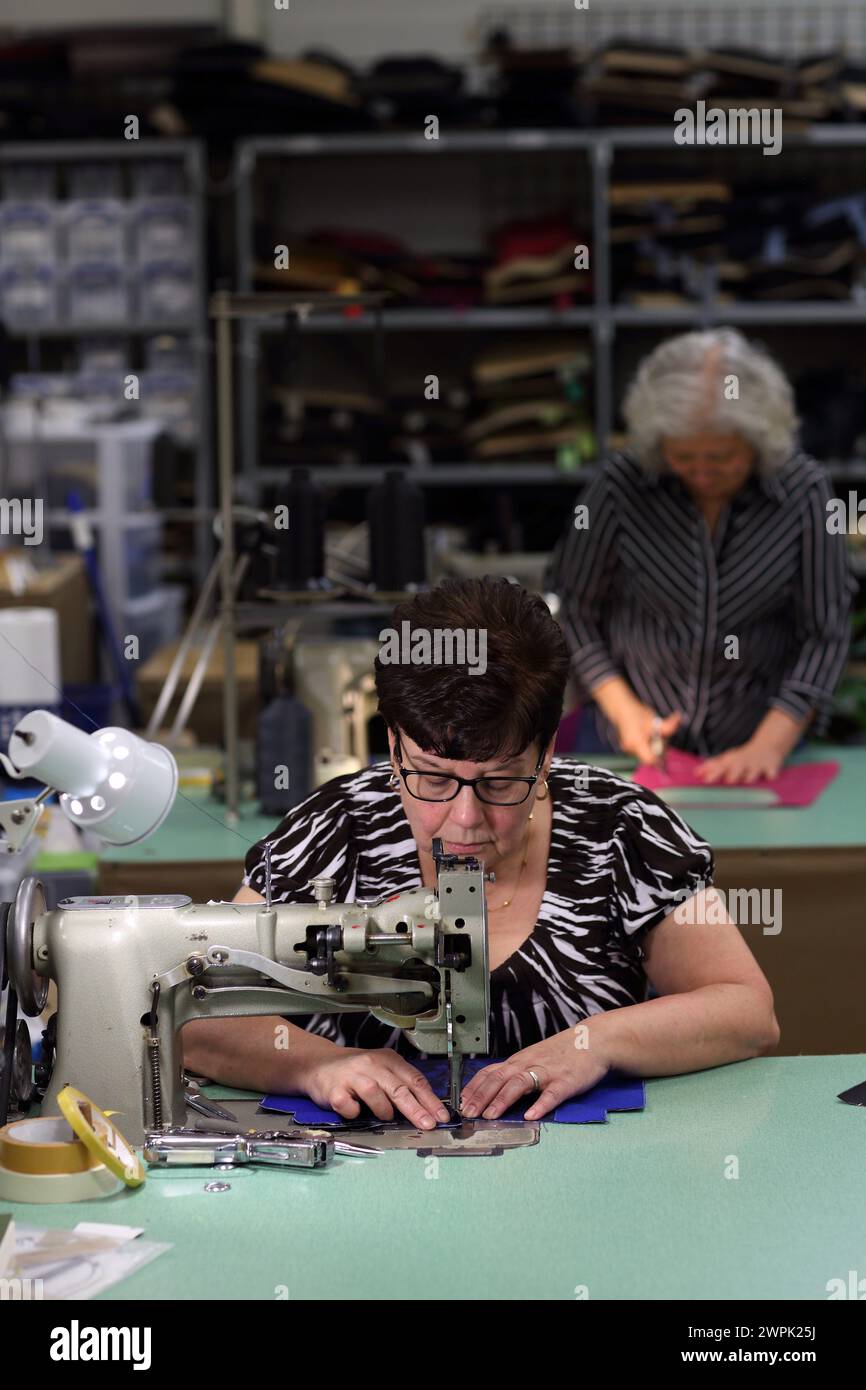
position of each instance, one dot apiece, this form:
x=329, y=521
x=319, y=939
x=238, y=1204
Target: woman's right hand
x=638, y=731
x=378, y=1077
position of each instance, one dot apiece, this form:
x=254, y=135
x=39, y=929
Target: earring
x=539, y=797
x=393, y=782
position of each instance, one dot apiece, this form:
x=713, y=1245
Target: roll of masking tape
x=44, y=1146
x=58, y=1187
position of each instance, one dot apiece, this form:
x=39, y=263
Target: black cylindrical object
x=396, y=513
x=301, y=546
x=284, y=755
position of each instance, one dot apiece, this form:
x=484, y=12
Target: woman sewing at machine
x=590, y=871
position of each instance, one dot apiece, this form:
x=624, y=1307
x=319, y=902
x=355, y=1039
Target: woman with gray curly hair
x=704, y=602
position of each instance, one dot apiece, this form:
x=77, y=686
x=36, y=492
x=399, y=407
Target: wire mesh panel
x=789, y=29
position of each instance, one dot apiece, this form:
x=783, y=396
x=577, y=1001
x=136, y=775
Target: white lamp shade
x=111, y=781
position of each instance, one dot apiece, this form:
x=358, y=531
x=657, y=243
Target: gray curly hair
x=682, y=387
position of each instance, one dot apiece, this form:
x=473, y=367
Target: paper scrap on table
x=797, y=785
x=82, y=1262
x=615, y=1092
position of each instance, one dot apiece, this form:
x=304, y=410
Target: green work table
x=836, y=820
x=639, y=1207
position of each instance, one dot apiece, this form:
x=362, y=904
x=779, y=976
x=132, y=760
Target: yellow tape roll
x=102, y=1138
x=44, y=1146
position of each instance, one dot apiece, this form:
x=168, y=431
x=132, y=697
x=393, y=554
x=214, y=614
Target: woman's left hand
x=564, y=1064
x=747, y=763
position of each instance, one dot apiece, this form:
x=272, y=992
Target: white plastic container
x=98, y=292
x=109, y=466
x=95, y=230
x=28, y=232
x=30, y=295
x=162, y=228
x=166, y=291
x=30, y=673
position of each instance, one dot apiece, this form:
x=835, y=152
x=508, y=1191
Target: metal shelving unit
x=191, y=154
x=604, y=318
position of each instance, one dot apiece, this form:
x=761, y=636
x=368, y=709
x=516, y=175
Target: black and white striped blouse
x=620, y=860
x=650, y=594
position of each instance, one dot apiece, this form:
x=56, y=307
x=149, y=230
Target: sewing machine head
x=131, y=971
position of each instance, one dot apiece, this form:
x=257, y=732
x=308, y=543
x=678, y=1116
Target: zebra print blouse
x=620, y=860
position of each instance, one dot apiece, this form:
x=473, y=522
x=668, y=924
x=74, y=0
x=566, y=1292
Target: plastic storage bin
x=29, y=295
x=155, y=619
x=98, y=292
x=95, y=230
x=166, y=290
x=162, y=228
x=109, y=466
x=129, y=555
x=28, y=232
x=169, y=397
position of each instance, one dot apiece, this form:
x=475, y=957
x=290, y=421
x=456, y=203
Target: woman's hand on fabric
x=566, y=1065
x=640, y=727
x=746, y=763
x=377, y=1077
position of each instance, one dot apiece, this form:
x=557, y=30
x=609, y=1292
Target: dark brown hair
x=517, y=701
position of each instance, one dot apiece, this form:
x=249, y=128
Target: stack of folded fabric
x=803, y=90
x=540, y=261
x=832, y=409
x=627, y=81
x=324, y=427
x=429, y=432
x=674, y=242
x=316, y=91
x=536, y=87
x=531, y=404
x=666, y=235
x=404, y=89
x=543, y=260
x=340, y=262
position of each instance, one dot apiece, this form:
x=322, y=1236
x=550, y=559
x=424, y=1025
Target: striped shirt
x=620, y=860
x=648, y=593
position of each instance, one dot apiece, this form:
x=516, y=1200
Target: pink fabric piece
x=795, y=786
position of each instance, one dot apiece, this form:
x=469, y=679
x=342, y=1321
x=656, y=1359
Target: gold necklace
x=509, y=901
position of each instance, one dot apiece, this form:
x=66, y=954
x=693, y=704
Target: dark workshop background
x=260, y=127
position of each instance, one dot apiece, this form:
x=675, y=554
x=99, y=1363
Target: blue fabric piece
x=616, y=1092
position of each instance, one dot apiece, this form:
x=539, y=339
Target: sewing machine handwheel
x=16, y=1053
x=32, y=989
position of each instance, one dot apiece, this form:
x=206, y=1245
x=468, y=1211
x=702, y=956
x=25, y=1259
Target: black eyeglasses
x=443, y=786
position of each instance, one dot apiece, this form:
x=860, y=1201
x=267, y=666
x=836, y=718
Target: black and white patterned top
x=650, y=594
x=620, y=860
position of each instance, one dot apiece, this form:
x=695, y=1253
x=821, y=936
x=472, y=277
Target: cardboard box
x=65, y=588
x=206, y=720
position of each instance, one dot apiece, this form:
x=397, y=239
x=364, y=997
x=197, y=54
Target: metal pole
x=225, y=416
x=603, y=321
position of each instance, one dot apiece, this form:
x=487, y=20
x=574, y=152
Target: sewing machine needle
x=455, y=1068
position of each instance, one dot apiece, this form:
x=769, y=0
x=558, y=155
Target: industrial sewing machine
x=131, y=971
